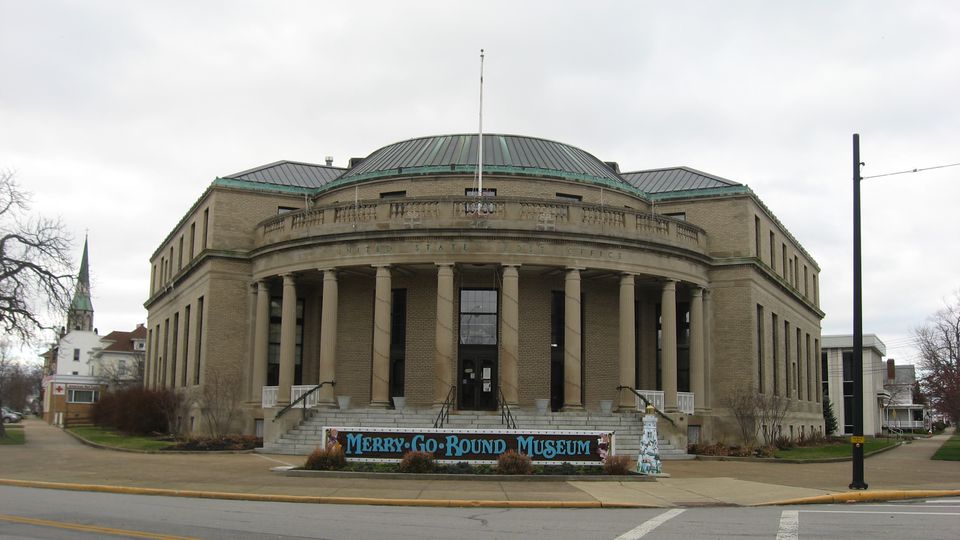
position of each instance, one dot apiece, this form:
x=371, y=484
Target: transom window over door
x=478, y=317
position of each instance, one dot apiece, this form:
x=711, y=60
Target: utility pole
x=857, y=439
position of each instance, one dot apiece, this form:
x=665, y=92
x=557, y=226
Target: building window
x=788, y=366
x=398, y=341
x=568, y=197
x=681, y=216
x=760, y=339
x=193, y=238
x=76, y=355
x=847, y=392
x=773, y=253
x=206, y=223
x=196, y=354
x=180, y=254
x=806, y=282
x=186, y=344
x=822, y=372
x=783, y=263
x=173, y=349
x=286, y=209
x=478, y=317
x=273, y=348
x=487, y=192
x=776, y=357
x=82, y=396
x=393, y=194
x=756, y=235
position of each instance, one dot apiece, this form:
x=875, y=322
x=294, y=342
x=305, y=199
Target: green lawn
x=14, y=435
x=116, y=439
x=950, y=451
x=838, y=450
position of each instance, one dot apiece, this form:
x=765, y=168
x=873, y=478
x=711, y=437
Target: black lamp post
x=857, y=439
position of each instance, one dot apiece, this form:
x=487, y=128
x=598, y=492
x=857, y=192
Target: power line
x=912, y=171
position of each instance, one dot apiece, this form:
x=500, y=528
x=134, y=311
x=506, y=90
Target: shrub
x=417, y=462
x=715, y=449
x=617, y=465
x=326, y=459
x=135, y=410
x=512, y=462
x=784, y=443
x=765, y=451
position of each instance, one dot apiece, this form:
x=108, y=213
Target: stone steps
x=628, y=426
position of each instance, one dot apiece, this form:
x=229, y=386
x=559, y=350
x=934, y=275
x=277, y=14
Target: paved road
x=32, y=513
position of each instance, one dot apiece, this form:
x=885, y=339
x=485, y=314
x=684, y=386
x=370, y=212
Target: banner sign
x=471, y=445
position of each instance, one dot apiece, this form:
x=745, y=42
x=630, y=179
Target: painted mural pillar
x=288, y=339
x=572, y=376
x=628, y=342
x=261, y=334
x=380, y=385
x=696, y=347
x=668, y=344
x=648, y=460
x=443, y=360
x=328, y=339
x=510, y=334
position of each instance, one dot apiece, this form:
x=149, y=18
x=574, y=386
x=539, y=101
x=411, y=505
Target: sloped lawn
x=950, y=451
x=116, y=439
x=14, y=435
x=840, y=449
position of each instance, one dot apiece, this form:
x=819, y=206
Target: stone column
x=696, y=347
x=510, y=334
x=668, y=344
x=443, y=360
x=328, y=339
x=707, y=356
x=628, y=342
x=572, y=379
x=288, y=339
x=261, y=333
x=380, y=385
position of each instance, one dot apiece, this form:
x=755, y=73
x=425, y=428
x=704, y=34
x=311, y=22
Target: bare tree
x=771, y=411
x=219, y=400
x=34, y=264
x=116, y=375
x=742, y=402
x=939, y=344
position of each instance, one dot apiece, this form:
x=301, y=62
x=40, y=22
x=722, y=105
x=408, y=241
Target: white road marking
x=650, y=525
x=881, y=512
x=789, y=525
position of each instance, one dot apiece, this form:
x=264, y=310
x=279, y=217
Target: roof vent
x=614, y=166
x=329, y=160
x=354, y=161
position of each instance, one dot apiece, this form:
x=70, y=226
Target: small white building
x=900, y=412
x=836, y=363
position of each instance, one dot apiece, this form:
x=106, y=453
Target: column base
x=626, y=409
x=379, y=405
x=326, y=405
x=571, y=408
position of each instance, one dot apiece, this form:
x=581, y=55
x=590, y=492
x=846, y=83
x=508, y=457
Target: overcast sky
x=117, y=115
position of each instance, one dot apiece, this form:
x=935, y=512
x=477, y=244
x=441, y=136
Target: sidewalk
x=51, y=455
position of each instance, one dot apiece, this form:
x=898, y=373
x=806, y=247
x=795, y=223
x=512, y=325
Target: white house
x=118, y=358
x=900, y=412
x=836, y=363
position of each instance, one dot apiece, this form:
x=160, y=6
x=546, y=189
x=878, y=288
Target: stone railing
x=269, y=397
x=685, y=402
x=490, y=212
x=655, y=397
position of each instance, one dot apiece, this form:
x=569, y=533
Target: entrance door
x=478, y=388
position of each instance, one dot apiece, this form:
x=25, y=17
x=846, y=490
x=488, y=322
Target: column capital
x=577, y=268
x=696, y=290
x=379, y=266
x=510, y=265
x=445, y=264
x=288, y=278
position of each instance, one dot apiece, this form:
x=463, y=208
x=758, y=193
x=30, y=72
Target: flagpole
x=480, y=139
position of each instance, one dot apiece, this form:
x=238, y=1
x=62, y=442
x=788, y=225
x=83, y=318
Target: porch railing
x=298, y=391
x=268, y=397
x=685, y=402
x=654, y=397
x=302, y=400
x=642, y=401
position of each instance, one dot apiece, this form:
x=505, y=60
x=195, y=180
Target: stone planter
x=543, y=405
x=343, y=402
x=606, y=405
x=399, y=402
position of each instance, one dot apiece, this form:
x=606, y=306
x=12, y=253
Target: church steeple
x=80, y=315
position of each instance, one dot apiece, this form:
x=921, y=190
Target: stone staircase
x=627, y=426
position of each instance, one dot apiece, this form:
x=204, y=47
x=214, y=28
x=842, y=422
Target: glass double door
x=478, y=378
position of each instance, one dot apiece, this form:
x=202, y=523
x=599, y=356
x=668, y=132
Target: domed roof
x=502, y=154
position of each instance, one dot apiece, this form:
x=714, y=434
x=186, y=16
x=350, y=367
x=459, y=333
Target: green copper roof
x=502, y=154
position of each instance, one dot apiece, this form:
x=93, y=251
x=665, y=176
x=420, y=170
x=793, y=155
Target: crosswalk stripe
x=650, y=524
x=789, y=525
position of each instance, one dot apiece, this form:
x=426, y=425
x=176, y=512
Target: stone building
x=547, y=275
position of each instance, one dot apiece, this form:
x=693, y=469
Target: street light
x=857, y=439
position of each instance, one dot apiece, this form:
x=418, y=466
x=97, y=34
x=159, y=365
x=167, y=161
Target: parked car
x=11, y=416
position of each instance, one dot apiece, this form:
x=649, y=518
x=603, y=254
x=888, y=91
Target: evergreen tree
x=829, y=419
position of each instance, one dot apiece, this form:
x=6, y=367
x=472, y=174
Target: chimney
x=891, y=370
x=329, y=160
x=354, y=161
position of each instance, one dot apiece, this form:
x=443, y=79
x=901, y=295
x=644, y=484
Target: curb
x=369, y=501
x=867, y=496
x=304, y=473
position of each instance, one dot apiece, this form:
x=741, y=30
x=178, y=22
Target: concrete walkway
x=52, y=456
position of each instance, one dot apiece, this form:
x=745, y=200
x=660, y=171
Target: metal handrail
x=302, y=399
x=445, y=409
x=506, y=416
x=647, y=402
